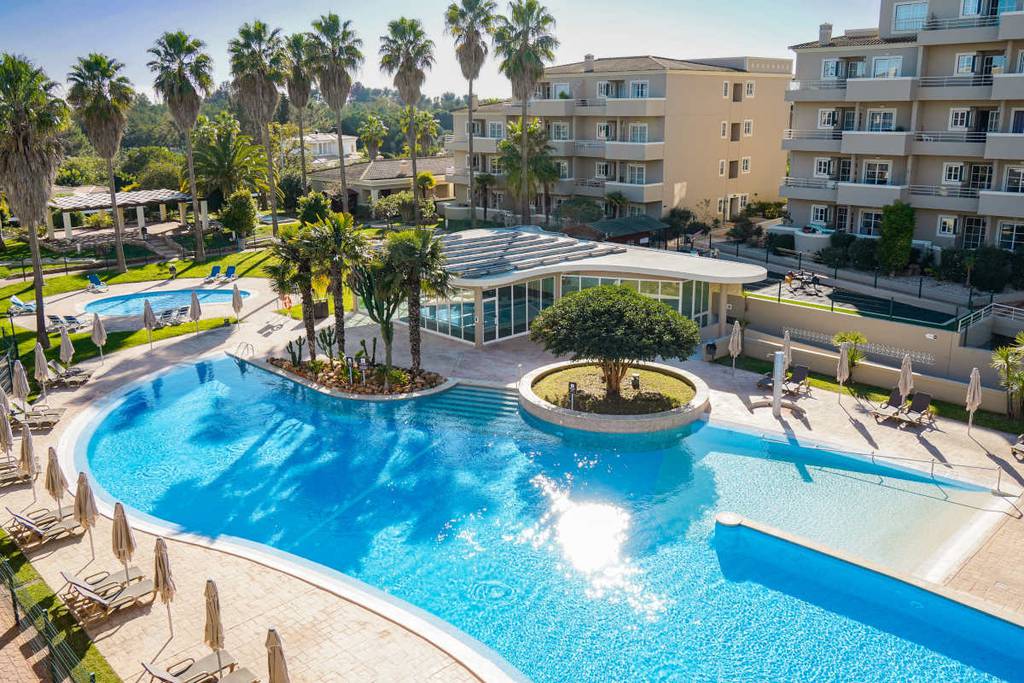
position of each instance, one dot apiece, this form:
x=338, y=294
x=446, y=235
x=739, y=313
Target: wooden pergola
x=137, y=199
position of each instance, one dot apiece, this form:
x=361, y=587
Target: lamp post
x=349, y=362
x=572, y=395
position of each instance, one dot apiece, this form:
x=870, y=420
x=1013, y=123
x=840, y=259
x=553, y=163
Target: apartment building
x=927, y=108
x=662, y=132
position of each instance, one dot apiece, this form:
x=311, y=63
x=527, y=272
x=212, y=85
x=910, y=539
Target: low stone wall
x=615, y=424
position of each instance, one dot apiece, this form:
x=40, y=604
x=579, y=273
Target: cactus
x=326, y=337
x=290, y=348
x=299, y=344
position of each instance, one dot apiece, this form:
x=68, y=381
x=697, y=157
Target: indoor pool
x=132, y=304
x=572, y=556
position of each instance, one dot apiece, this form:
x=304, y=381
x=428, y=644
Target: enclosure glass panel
x=469, y=321
x=490, y=320
x=519, y=311
x=504, y=312
x=533, y=298
x=648, y=288
x=570, y=284
x=687, y=308
x=588, y=282
x=670, y=289
x=631, y=284
x=547, y=292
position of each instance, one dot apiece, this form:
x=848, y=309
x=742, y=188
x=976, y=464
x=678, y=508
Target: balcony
x=481, y=144
x=1011, y=26
x=590, y=148
x=460, y=176
x=964, y=87
x=564, y=186
x=591, y=187
x=637, y=193
x=1008, y=87
x=982, y=29
x=958, y=198
x=634, y=151
x=876, y=142
x=949, y=143
x=635, y=106
x=865, y=194
x=1004, y=146
x=543, y=108
x=831, y=90
x=1002, y=204
x=827, y=140
x=881, y=89
x=811, y=189
x=563, y=148
x=592, y=107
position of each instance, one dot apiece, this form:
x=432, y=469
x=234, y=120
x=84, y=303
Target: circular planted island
x=652, y=397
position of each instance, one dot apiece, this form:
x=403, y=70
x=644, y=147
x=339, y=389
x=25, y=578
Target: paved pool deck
x=328, y=637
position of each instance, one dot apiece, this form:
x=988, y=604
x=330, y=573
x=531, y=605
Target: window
x=497, y=198
x=734, y=169
x=563, y=169
x=971, y=8
x=1020, y=61
x=638, y=132
x=952, y=173
x=725, y=129
x=475, y=125
x=495, y=162
x=947, y=226
x=870, y=222
x=819, y=214
x=909, y=16
x=877, y=172
x=725, y=88
x=842, y=218
x=1015, y=179
x=964, y=63
x=601, y=169
x=745, y=164
x=561, y=91
x=636, y=210
x=975, y=229
x=496, y=129
x=881, y=120
x=744, y=198
x=721, y=205
x=822, y=167
x=559, y=130
x=831, y=69
x=604, y=131
x=604, y=89
x=721, y=167
x=1017, y=121
x=886, y=67
x=636, y=175
x=750, y=88
x=959, y=119
x=639, y=89
x=827, y=118
x=748, y=128
x=1011, y=236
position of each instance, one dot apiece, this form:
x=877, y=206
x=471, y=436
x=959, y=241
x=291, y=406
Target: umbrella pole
x=219, y=674
x=150, y=339
x=126, y=571
x=92, y=548
x=101, y=355
x=170, y=624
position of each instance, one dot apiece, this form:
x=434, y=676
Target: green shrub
x=897, y=236
x=159, y=175
x=314, y=207
x=856, y=340
x=842, y=240
x=744, y=230
x=100, y=219
x=833, y=257
x=952, y=267
x=769, y=210
x=1017, y=269
x=291, y=189
x=863, y=254
x=991, y=269
x=777, y=241
x=239, y=214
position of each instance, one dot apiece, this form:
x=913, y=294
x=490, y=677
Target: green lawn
x=457, y=225
x=35, y=592
x=658, y=392
x=878, y=395
x=295, y=312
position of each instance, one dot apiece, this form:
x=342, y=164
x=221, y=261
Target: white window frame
x=826, y=212
x=499, y=126
x=494, y=163
x=637, y=127
x=749, y=88
x=607, y=169
x=881, y=110
x=564, y=87
x=725, y=130
x=607, y=130
x=748, y=128
x=561, y=126
x=894, y=13
x=1006, y=176
x=963, y=8
x=563, y=169
x=636, y=171
x=949, y=165
x=899, y=69
x=721, y=206
x=1020, y=61
x=1014, y=244
x=946, y=220
x=745, y=165
x=636, y=210
x=956, y=63
x=828, y=75
x=498, y=197
x=860, y=222
x=879, y=162
x=1013, y=116
x=829, y=164
x=833, y=115
x=744, y=200
x=725, y=90
x=953, y=111
x=723, y=167
x=606, y=86
x=646, y=89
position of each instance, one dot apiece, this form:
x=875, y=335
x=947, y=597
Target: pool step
x=477, y=402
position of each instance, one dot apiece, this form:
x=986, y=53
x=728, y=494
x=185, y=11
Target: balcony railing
x=827, y=134
x=950, y=136
x=960, y=22
x=591, y=182
x=951, y=191
x=810, y=183
x=960, y=81
x=827, y=84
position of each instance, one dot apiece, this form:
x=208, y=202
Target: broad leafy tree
x=31, y=119
x=418, y=256
x=897, y=237
x=616, y=328
x=101, y=96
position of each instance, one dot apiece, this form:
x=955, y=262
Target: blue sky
x=53, y=33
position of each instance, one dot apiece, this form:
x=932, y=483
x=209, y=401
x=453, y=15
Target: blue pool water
x=132, y=304
x=577, y=558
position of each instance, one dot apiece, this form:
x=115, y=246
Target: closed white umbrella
x=213, y=634
x=56, y=484
x=67, y=349
x=6, y=434
x=195, y=311
x=149, y=320
x=236, y=302
x=85, y=508
x=843, y=367
x=19, y=384
x=122, y=539
x=906, y=380
x=277, y=668
x=735, y=343
x=973, y=397
x=41, y=373
x=163, y=582
x=5, y=405
x=27, y=462
x=99, y=333
x=787, y=351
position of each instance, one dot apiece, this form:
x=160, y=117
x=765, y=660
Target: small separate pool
x=132, y=304
x=576, y=557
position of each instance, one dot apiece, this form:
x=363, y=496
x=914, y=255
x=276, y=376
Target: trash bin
x=710, y=351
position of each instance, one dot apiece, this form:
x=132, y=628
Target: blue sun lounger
x=96, y=284
x=214, y=274
x=19, y=306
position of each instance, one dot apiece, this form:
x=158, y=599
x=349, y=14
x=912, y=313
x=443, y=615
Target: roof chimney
x=825, y=34
x=588, y=63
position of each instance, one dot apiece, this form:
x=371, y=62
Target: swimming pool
x=132, y=304
x=575, y=557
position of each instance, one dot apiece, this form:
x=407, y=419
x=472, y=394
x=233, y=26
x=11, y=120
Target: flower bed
x=334, y=375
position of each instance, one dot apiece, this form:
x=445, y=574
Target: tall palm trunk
x=414, y=322
x=412, y=157
x=306, y=294
x=122, y=266
x=341, y=166
x=37, y=285
x=524, y=201
x=271, y=180
x=387, y=335
x=338, y=292
x=302, y=149
x=200, y=241
x=472, y=197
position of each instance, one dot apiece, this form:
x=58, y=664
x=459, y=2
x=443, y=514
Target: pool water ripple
x=133, y=304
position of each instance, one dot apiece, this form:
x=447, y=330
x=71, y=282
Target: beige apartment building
x=662, y=132
x=927, y=108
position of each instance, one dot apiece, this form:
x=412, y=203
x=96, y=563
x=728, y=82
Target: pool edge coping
x=482, y=662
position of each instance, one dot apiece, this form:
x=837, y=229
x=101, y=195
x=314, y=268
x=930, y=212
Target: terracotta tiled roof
x=856, y=41
x=638, y=63
x=385, y=169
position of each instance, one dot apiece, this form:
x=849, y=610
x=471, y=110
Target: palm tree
x=519, y=179
x=258, y=63
x=336, y=55
x=524, y=40
x=101, y=97
x=372, y=132
x=292, y=269
x=617, y=201
x=299, y=81
x=484, y=183
x=469, y=22
x=419, y=258
x=225, y=159
x=382, y=290
x=547, y=174
x=339, y=246
x=406, y=53
x=184, y=73
x=31, y=118
x=425, y=182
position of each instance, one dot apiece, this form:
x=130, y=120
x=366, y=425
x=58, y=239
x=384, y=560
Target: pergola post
x=723, y=308
x=140, y=216
x=182, y=208
x=67, y=223
x=205, y=214
x=49, y=224
x=163, y=213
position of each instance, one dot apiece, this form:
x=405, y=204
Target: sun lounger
x=24, y=529
x=167, y=318
x=229, y=274
x=192, y=670
x=39, y=419
x=46, y=515
x=214, y=274
x=11, y=476
x=106, y=601
x=890, y=409
x=1017, y=449
x=797, y=381
x=919, y=411
x=98, y=581
x=54, y=323
x=181, y=315
x=74, y=323
x=96, y=284
x=19, y=306
x=240, y=676
x=67, y=378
